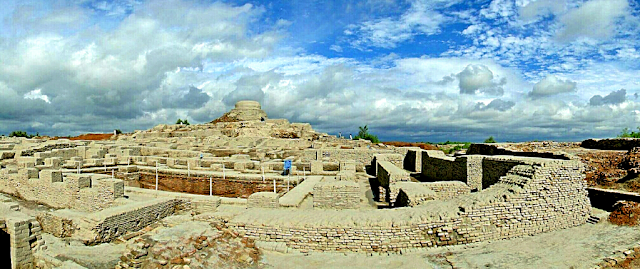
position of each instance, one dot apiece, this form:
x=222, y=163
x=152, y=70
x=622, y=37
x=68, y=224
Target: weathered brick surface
x=336, y=195
x=263, y=200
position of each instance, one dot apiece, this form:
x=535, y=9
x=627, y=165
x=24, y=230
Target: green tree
x=626, y=133
x=186, y=122
x=363, y=133
x=490, y=140
x=179, y=121
x=20, y=134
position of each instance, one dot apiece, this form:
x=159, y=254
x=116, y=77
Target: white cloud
x=594, y=19
x=613, y=98
x=542, y=8
x=479, y=79
x=37, y=94
x=422, y=18
x=551, y=85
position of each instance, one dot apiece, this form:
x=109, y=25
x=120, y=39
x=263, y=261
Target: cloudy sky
x=422, y=70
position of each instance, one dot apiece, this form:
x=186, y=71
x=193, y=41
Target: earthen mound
x=410, y=144
x=92, y=137
x=625, y=213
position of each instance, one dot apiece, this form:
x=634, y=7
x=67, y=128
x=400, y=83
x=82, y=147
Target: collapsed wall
x=535, y=196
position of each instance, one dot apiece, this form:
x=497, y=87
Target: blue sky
x=425, y=70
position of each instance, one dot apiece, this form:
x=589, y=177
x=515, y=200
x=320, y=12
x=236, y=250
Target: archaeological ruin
x=339, y=195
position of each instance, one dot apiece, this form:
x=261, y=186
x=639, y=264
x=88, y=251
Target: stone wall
x=534, y=197
x=336, y=195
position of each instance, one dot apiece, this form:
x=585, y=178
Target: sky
x=421, y=70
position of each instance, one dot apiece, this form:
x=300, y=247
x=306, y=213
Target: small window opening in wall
x=5, y=250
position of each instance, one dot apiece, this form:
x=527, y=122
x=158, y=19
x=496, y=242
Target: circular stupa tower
x=244, y=110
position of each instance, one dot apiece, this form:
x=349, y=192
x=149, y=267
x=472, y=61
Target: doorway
x=5, y=250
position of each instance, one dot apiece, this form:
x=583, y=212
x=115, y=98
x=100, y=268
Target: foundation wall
x=118, y=221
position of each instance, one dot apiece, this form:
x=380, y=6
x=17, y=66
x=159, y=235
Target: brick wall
x=534, y=197
x=263, y=200
x=336, y=195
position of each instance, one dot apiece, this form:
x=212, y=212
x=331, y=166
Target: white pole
x=188, y=169
x=274, y=185
x=79, y=164
x=105, y=166
x=262, y=168
x=224, y=176
x=210, y=187
x=288, y=178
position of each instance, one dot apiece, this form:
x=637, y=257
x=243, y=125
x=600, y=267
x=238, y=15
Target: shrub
x=179, y=121
x=490, y=140
x=118, y=131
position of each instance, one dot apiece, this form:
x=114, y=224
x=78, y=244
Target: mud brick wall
x=413, y=160
x=474, y=172
x=25, y=237
x=495, y=149
x=388, y=174
x=533, y=197
x=74, y=191
x=336, y=195
x=493, y=169
x=362, y=157
x=263, y=200
x=200, y=185
x=412, y=194
x=56, y=225
x=437, y=168
x=447, y=190
x=114, y=222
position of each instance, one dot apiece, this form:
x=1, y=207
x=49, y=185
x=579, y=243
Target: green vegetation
x=449, y=143
x=118, y=131
x=22, y=134
x=490, y=140
x=457, y=147
x=185, y=122
x=630, y=134
x=363, y=133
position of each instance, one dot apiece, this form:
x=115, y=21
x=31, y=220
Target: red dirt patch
x=625, y=213
x=410, y=144
x=92, y=137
